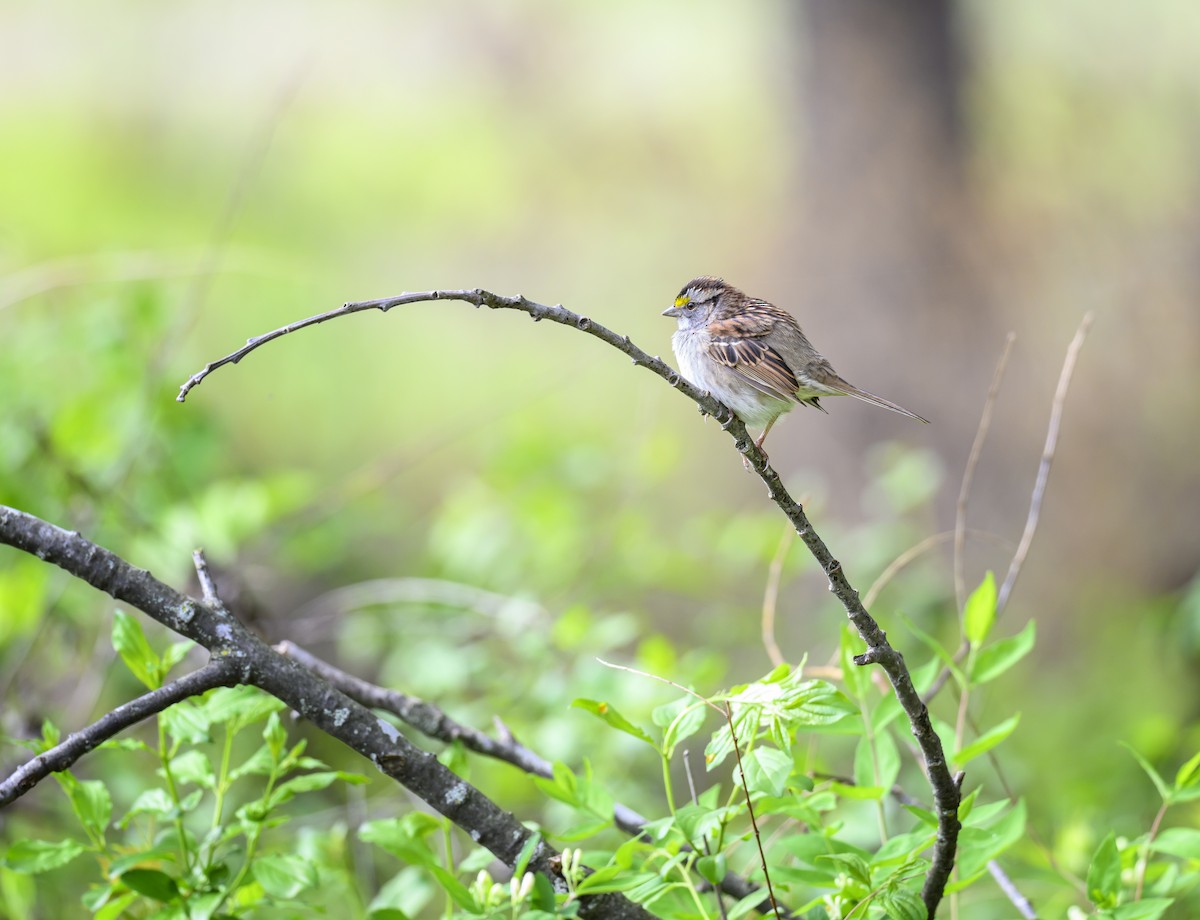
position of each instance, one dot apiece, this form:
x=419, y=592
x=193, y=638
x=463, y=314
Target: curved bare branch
x=944, y=786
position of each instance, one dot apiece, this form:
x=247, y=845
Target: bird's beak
x=671, y=311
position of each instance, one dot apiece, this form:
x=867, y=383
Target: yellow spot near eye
x=682, y=300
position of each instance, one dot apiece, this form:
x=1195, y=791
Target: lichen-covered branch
x=220, y=672
x=249, y=660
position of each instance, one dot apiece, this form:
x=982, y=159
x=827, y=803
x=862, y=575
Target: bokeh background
x=911, y=179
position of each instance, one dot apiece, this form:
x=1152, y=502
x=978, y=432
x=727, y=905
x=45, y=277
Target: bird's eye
x=689, y=306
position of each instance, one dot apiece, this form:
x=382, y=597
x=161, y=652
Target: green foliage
x=180, y=848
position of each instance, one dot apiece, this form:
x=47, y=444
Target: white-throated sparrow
x=753, y=356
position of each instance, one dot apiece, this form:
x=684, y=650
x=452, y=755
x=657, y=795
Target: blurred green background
x=911, y=179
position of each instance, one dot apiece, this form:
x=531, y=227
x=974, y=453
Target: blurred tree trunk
x=883, y=242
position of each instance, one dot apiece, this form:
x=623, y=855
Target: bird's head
x=698, y=300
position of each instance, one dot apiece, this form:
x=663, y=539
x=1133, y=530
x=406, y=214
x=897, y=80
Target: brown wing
x=758, y=364
x=738, y=342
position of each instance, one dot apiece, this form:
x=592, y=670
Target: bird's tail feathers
x=851, y=390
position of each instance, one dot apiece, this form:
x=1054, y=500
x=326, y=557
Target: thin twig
x=762, y=856
x=964, y=491
x=946, y=792
x=914, y=552
x=1036, y=497
x=1043, y=473
x=1144, y=858
x=1019, y=901
x=771, y=597
x=208, y=587
x=220, y=672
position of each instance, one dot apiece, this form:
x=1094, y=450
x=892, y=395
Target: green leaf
x=1159, y=783
x=600, y=881
x=310, y=782
x=767, y=770
x=876, y=765
x=239, y=707
x=993, y=660
x=284, y=876
x=712, y=868
x=90, y=801
x=257, y=764
x=51, y=735
x=130, y=643
x=979, y=615
x=902, y=904
x=562, y=786
x=856, y=678
x=817, y=702
x=986, y=741
x=199, y=907
x=275, y=736
x=1104, y=874
x=193, y=767
x=686, y=722
x=31, y=857
x=983, y=815
x=613, y=718
x=403, y=837
x=153, y=802
x=697, y=821
x=944, y=655
x=526, y=854
x=1188, y=774
x=174, y=654
x=457, y=890
x=748, y=904
x=581, y=830
x=1145, y=909
x=186, y=722
x=852, y=864
x=543, y=893
x=115, y=909
x=152, y=883
x=1183, y=842
x=163, y=852
x=888, y=757
x=979, y=845
x=898, y=851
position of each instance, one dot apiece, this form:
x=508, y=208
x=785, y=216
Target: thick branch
x=945, y=789
x=220, y=672
x=254, y=662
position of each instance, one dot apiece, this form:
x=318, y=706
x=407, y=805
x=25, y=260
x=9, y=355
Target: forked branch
x=241, y=657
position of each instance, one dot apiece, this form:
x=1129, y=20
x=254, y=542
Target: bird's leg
x=759, y=444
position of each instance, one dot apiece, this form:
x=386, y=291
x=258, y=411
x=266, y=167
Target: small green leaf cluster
x=184, y=849
x=1140, y=879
